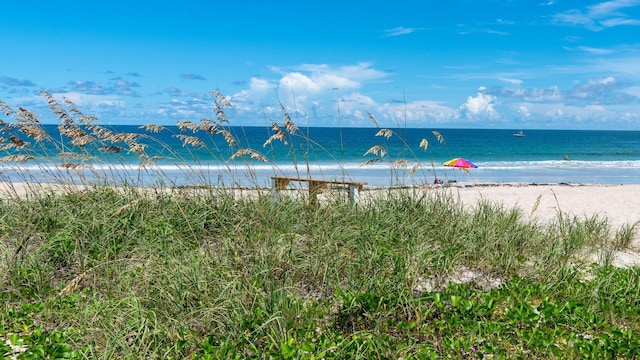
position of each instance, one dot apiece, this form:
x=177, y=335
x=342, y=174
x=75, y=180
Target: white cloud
x=310, y=88
x=359, y=72
x=611, y=7
x=602, y=15
x=358, y=98
x=551, y=94
x=524, y=111
x=89, y=101
x=317, y=82
x=184, y=109
x=258, y=89
x=482, y=105
x=595, y=51
x=620, y=22
x=517, y=82
x=400, y=30
x=505, y=22
x=299, y=83
x=418, y=113
x=634, y=91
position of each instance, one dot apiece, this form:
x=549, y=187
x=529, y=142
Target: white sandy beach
x=619, y=203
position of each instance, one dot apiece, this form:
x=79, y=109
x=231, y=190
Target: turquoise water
x=602, y=157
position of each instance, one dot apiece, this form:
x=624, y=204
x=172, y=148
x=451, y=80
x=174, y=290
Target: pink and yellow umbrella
x=460, y=163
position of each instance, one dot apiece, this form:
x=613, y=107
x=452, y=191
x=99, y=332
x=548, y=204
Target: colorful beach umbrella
x=460, y=163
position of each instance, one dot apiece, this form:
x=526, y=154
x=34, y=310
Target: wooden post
x=315, y=186
x=277, y=185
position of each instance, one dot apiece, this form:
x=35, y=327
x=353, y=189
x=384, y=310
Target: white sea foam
x=381, y=173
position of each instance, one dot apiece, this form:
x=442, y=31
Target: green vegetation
x=106, y=273
x=121, y=272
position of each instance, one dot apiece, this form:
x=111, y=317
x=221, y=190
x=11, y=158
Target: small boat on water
x=519, y=134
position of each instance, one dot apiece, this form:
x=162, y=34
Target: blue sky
x=432, y=64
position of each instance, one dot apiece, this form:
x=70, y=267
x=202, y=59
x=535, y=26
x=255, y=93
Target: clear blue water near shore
x=594, y=157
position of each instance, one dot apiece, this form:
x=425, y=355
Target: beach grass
x=105, y=273
x=114, y=270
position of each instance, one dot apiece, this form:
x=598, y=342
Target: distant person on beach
x=437, y=181
x=566, y=157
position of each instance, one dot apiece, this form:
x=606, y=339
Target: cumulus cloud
x=358, y=99
x=359, y=72
x=355, y=106
x=422, y=112
x=480, y=106
x=310, y=79
x=307, y=89
x=524, y=111
x=258, y=89
x=299, y=83
x=534, y=95
x=605, y=90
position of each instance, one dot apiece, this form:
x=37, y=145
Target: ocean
x=541, y=156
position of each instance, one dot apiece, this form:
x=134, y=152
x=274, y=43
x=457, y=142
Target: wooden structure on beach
x=279, y=183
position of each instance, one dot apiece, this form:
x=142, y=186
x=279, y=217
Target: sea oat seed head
x=277, y=136
x=439, y=137
x=290, y=126
x=385, y=132
x=112, y=149
x=373, y=120
x=153, y=128
x=17, y=142
x=82, y=140
x=191, y=141
x=414, y=168
x=370, y=162
x=138, y=149
x=376, y=150
x=399, y=164
x=424, y=144
x=231, y=141
x=536, y=204
x=187, y=125
x=16, y=158
x=253, y=154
